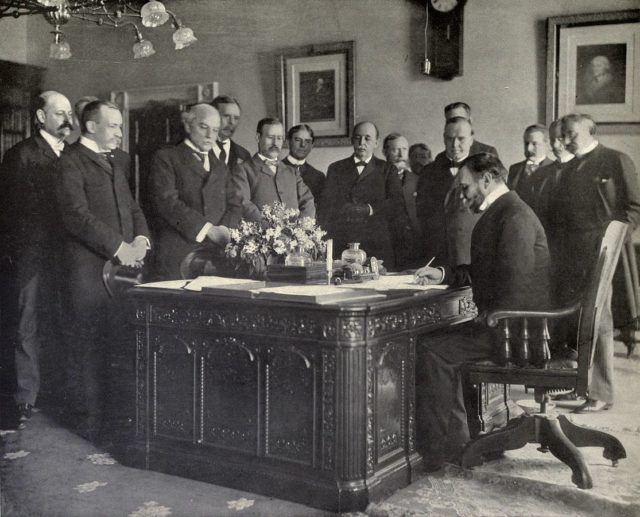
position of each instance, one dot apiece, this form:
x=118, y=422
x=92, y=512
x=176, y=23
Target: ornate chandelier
x=114, y=13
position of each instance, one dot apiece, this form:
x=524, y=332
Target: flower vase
x=258, y=268
x=297, y=258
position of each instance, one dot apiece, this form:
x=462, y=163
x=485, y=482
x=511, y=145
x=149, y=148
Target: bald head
x=202, y=123
x=53, y=114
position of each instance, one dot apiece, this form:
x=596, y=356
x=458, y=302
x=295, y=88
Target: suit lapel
x=367, y=171
x=45, y=148
x=193, y=163
x=93, y=156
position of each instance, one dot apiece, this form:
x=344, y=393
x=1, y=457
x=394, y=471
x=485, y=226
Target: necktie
x=530, y=168
x=361, y=164
x=105, y=158
x=204, y=158
x=223, y=154
x=58, y=147
x=272, y=164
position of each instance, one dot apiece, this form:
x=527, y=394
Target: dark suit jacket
x=312, y=177
x=509, y=257
x=185, y=197
x=446, y=223
x=237, y=154
x=479, y=147
x=525, y=187
x=580, y=212
x=28, y=206
x=379, y=186
x=545, y=181
x=257, y=185
x=98, y=214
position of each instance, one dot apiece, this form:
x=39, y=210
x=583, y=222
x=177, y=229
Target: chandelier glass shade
x=113, y=13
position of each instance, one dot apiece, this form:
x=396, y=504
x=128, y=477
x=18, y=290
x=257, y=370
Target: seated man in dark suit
x=263, y=179
x=300, y=139
x=191, y=194
x=509, y=270
x=523, y=175
x=462, y=109
x=362, y=200
x=226, y=150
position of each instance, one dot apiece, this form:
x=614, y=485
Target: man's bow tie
x=58, y=146
x=271, y=163
x=361, y=164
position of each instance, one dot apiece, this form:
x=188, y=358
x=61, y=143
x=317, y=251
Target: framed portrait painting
x=593, y=66
x=316, y=87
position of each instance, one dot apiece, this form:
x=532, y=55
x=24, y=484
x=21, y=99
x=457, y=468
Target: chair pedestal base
x=558, y=435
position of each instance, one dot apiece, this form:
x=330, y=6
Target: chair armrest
x=495, y=316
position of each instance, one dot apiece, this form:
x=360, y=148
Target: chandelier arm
x=98, y=20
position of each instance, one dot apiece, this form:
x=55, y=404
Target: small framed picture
x=316, y=87
x=593, y=66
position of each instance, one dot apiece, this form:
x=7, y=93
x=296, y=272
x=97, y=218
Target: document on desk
x=166, y=284
x=211, y=282
x=394, y=282
x=319, y=294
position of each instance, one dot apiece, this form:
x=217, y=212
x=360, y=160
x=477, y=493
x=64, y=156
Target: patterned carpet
x=45, y=470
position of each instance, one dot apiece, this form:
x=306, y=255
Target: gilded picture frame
x=316, y=87
x=593, y=66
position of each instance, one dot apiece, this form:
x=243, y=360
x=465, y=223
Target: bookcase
x=19, y=85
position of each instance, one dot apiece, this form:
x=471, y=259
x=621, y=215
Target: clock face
x=444, y=5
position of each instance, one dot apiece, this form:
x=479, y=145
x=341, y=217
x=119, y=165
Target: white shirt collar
x=295, y=161
x=588, y=149
x=189, y=143
x=56, y=144
x=565, y=158
x=91, y=144
x=356, y=159
x=454, y=170
x=491, y=198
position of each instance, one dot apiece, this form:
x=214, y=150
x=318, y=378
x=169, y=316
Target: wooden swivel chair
x=556, y=434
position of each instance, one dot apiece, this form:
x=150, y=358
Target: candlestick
x=329, y=260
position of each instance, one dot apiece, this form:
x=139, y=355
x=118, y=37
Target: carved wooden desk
x=311, y=403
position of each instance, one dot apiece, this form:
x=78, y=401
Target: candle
x=329, y=257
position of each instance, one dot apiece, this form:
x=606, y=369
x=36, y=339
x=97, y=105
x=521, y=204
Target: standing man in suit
x=598, y=185
x=462, y=109
x=509, y=270
x=226, y=150
x=28, y=216
x=301, y=139
x=522, y=175
x=419, y=156
x=102, y=222
x=546, y=179
x=191, y=194
x=263, y=179
x=362, y=200
x=395, y=148
x=445, y=220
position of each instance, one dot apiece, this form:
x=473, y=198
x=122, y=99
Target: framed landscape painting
x=593, y=66
x=316, y=87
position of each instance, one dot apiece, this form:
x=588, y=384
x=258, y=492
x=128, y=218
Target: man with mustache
x=102, y=222
x=523, y=175
x=264, y=179
x=597, y=186
x=362, y=200
x=28, y=216
x=509, y=270
x=226, y=150
x=191, y=194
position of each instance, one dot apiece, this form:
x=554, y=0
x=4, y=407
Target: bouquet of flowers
x=281, y=232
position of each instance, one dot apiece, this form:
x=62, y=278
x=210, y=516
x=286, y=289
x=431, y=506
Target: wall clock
x=444, y=37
